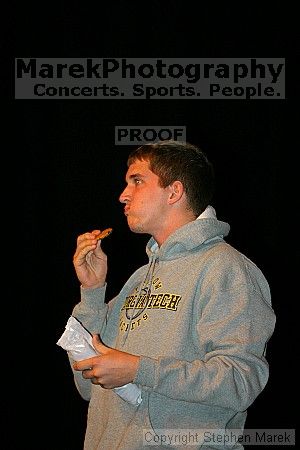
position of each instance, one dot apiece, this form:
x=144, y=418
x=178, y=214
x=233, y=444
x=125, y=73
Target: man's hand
x=112, y=368
x=90, y=261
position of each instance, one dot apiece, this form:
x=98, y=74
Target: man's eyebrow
x=136, y=175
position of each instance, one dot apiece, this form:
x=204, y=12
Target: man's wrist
x=94, y=286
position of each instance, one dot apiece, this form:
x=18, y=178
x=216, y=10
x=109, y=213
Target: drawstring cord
x=147, y=281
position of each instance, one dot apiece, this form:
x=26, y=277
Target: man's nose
x=124, y=197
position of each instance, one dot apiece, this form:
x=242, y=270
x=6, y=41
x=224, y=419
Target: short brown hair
x=180, y=161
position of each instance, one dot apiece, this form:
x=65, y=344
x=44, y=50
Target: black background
x=67, y=174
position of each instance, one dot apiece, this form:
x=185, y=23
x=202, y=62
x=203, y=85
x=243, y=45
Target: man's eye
x=137, y=181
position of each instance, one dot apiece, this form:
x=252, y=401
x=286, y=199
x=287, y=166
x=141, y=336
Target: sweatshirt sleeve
x=84, y=386
x=91, y=311
x=231, y=334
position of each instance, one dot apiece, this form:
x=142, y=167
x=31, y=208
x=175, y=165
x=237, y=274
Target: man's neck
x=174, y=222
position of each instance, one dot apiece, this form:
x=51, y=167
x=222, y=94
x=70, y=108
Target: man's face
x=145, y=200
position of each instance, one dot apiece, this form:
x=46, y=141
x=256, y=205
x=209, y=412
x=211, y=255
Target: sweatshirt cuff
x=93, y=298
x=147, y=372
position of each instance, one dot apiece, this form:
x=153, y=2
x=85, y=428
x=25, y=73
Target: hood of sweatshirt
x=190, y=236
x=206, y=228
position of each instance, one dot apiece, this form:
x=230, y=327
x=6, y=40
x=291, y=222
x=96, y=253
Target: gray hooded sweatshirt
x=199, y=316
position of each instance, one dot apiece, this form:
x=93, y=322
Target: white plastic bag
x=77, y=341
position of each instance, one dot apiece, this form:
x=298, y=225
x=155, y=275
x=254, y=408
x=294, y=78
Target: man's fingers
x=88, y=235
x=88, y=373
x=98, y=382
x=88, y=244
x=85, y=364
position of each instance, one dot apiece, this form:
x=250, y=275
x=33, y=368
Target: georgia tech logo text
x=137, y=304
x=164, y=300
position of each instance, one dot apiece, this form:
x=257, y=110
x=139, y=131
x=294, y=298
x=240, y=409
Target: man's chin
x=136, y=227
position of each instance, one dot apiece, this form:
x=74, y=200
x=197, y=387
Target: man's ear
x=176, y=191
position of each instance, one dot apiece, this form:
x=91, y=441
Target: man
x=189, y=329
